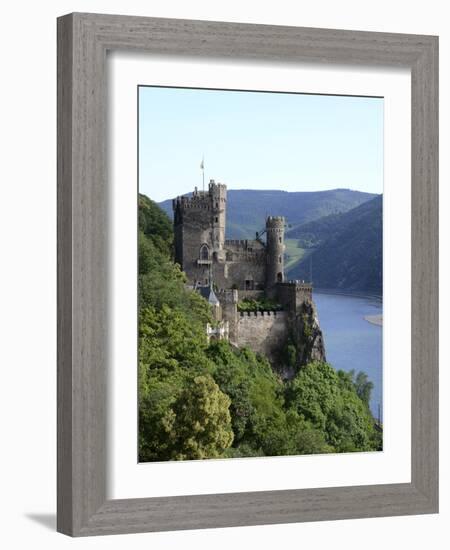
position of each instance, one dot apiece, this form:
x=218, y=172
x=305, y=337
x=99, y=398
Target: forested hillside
x=205, y=401
x=344, y=251
x=248, y=209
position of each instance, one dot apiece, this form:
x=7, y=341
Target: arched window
x=279, y=277
x=204, y=252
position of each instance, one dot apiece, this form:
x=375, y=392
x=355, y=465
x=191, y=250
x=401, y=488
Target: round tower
x=275, y=250
x=218, y=198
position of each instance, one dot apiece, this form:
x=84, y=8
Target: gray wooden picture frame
x=83, y=41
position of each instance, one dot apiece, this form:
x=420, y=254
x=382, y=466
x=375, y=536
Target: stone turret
x=218, y=198
x=275, y=250
x=199, y=229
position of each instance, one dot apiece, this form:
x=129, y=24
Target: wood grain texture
x=83, y=40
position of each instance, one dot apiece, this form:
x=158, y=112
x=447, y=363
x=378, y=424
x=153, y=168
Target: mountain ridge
x=248, y=208
x=346, y=250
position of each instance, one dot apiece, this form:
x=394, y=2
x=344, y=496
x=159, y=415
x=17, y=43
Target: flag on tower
x=202, y=167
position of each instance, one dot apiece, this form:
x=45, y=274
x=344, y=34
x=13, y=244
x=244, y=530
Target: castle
x=226, y=272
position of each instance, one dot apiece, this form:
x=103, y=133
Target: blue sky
x=255, y=140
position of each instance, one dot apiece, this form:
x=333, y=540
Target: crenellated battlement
x=275, y=222
x=292, y=294
x=299, y=286
x=212, y=199
x=265, y=313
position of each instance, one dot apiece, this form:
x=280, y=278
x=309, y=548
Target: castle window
x=204, y=252
x=279, y=259
x=279, y=277
x=279, y=240
x=217, y=219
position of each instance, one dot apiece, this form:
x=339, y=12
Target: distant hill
x=345, y=250
x=247, y=209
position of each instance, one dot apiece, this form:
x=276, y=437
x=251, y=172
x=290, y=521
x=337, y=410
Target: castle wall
x=228, y=274
x=292, y=294
x=245, y=261
x=263, y=332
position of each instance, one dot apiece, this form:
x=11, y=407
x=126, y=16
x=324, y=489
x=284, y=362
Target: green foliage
x=256, y=393
x=291, y=355
x=202, y=420
x=155, y=225
x=164, y=284
x=170, y=335
x=183, y=417
x=261, y=422
x=260, y=304
x=329, y=401
x=307, y=330
x=182, y=413
x=363, y=387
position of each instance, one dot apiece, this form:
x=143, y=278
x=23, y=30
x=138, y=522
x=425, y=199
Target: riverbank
x=375, y=319
x=352, y=293
x=352, y=343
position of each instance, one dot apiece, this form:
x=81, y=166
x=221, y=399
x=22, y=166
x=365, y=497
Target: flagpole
x=202, y=165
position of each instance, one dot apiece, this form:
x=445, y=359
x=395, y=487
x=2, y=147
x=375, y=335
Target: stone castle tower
x=203, y=252
x=245, y=269
x=275, y=250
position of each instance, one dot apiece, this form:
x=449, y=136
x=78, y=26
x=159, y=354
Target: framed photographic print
x=247, y=274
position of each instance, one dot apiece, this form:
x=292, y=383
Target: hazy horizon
x=263, y=190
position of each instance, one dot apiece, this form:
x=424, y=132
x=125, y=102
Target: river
x=352, y=342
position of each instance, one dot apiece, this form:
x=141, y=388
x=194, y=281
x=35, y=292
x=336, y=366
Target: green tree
x=155, y=225
x=256, y=394
x=183, y=417
x=304, y=438
x=324, y=398
x=363, y=387
x=202, y=424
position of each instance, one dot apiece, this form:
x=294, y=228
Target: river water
x=351, y=342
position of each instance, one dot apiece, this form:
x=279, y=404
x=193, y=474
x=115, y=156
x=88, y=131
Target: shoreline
x=354, y=294
x=375, y=319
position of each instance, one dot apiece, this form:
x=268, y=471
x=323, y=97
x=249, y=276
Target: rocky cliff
x=307, y=335
x=303, y=342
